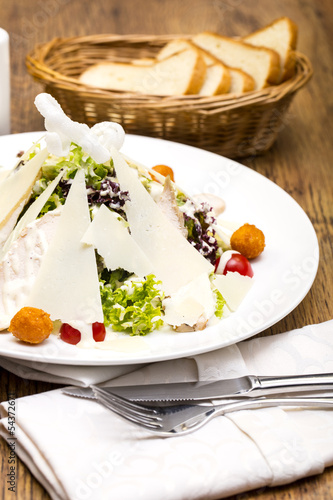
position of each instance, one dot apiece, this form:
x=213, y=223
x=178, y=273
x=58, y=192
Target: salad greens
x=94, y=172
x=219, y=303
x=134, y=307
x=100, y=180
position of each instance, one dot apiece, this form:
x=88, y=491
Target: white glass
x=4, y=83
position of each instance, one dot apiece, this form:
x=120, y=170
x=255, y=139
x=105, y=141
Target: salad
x=93, y=244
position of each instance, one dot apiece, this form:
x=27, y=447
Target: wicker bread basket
x=234, y=126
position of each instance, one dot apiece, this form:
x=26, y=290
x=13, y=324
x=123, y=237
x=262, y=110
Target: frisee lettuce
x=135, y=307
x=55, y=201
x=219, y=303
x=94, y=172
x=114, y=279
x=101, y=186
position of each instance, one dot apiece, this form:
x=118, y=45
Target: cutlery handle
x=296, y=383
x=200, y=418
x=257, y=403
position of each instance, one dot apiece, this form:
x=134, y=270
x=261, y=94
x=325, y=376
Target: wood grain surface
x=300, y=161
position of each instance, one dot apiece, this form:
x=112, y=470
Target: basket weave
x=234, y=126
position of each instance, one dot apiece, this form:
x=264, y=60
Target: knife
x=189, y=392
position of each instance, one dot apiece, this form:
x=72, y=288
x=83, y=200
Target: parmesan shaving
x=31, y=214
x=16, y=188
x=67, y=285
x=115, y=244
x=233, y=287
x=175, y=261
x=190, y=304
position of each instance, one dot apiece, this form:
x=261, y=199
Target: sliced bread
x=235, y=81
x=180, y=74
x=240, y=81
x=260, y=63
x=173, y=47
x=144, y=61
x=281, y=36
x=217, y=79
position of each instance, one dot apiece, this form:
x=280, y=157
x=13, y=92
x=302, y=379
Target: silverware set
x=178, y=409
x=183, y=419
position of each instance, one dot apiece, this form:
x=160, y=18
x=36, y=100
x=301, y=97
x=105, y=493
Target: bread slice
x=144, y=61
x=281, y=36
x=233, y=80
x=180, y=74
x=217, y=79
x=260, y=63
x=241, y=82
x=173, y=47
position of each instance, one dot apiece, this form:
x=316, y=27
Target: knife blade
x=189, y=392
x=80, y=392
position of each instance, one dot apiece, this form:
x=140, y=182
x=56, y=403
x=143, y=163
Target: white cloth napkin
x=79, y=450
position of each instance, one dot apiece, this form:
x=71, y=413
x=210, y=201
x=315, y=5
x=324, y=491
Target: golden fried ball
x=248, y=240
x=31, y=325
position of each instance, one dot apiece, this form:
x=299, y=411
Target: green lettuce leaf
x=135, y=307
x=219, y=303
x=94, y=172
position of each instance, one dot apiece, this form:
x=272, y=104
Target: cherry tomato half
x=239, y=264
x=69, y=334
x=73, y=336
x=98, y=332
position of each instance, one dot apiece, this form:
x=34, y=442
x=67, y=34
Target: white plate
x=283, y=273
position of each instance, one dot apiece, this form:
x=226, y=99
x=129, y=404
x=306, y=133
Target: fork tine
x=150, y=421
x=131, y=418
x=139, y=416
x=125, y=403
x=150, y=424
x=155, y=419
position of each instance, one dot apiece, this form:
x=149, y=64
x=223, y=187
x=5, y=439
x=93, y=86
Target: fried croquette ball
x=31, y=325
x=248, y=240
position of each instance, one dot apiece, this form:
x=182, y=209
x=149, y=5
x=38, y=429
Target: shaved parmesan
x=115, y=244
x=16, y=188
x=9, y=226
x=32, y=213
x=175, y=261
x=233, y=287
x=67, y=285
x=224, y=230
x=190, y=303
x=3, y=175
x=23, y=158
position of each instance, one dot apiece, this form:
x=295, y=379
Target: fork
x=183, y=419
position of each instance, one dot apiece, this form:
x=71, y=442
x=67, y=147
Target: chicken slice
x=20, y=265
x=168, y=204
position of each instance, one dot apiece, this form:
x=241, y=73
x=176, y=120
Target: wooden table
x=300, y=161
